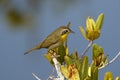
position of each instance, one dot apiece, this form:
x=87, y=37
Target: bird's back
x=51, y=39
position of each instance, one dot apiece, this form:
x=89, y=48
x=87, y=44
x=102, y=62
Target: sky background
x=44, y=16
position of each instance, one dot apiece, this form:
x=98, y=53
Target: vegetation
x=75, y=67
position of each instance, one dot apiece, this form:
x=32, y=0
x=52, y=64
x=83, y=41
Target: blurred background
x=25, y=23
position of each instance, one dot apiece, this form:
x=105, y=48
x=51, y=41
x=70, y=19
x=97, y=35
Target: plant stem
x=87, y=48
x=36, y=77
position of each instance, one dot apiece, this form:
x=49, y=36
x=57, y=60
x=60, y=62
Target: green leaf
x=96, y=51
x=75, y=60
x=94, y=72
x=97, y=55
x=62, y=53
x=74, y=55
x=84, y=68
x=68, y=60
x=99, y=21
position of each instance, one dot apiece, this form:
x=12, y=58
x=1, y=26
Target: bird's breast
x=64, y=37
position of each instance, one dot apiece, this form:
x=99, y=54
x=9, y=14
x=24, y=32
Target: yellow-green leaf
x=96, y=51
x=49, y=58
x=84, y=68
x=97, y=55
x=94, y=72
x=89, y=71
x=108, y=76
x=99, y=21
x=67, y=51
x=117, y=78
x=83, y=32
x=70, y=72
x=62, y=53
x=90, y=24
x=88, y=78
x=73, y=73
x=64, y=71
x=68, y=60
x=105, y=60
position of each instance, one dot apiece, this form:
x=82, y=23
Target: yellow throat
x=64, y=37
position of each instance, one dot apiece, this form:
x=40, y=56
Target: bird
x=55, y=39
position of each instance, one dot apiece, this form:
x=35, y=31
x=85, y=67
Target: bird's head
x=65, y=31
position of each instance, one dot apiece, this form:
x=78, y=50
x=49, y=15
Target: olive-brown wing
x=50, y=40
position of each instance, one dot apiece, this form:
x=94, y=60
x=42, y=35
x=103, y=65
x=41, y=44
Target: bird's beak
x=71, y=31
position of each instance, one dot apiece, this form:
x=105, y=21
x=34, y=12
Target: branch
x=57, y=67
x=51, y=77
x=110, y=61
x=87, y=48
x=37, y=78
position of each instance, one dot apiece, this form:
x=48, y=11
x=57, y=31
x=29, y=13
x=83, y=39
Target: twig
x=110, y=61
x=51, y=77
x=57, y=67
x=87, y=48
x=37, y=78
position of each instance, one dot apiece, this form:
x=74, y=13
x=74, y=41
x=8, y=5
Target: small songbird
x=55, y=39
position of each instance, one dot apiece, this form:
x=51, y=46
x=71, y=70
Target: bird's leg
x=51, y=51
x=54, y=55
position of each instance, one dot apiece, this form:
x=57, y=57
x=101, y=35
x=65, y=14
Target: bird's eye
x=64, y=32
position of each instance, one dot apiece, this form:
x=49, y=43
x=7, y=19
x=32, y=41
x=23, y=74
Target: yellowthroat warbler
x=55, y=39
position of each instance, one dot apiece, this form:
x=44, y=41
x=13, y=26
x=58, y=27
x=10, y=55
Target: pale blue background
x=52, y=14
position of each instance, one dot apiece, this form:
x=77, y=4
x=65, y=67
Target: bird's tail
x=35, y=48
